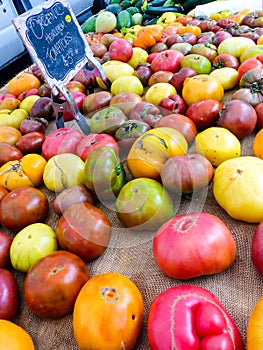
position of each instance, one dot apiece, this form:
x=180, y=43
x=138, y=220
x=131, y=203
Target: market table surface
x=129, y=253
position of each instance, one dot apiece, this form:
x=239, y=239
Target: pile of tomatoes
x=163, y=133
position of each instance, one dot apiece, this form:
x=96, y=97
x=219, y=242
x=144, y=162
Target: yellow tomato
x=150, y=151
x=27, y=171
x=158, y=91
x=217, y=145
x=237, y=187
x=13, y=119
x=255, y=327
x=235, y=46
x=113, y=70
x=127, y=84
x=202, y=87
x=14, y=337
x=28, y=102
x=227, y=76
x=139, y=56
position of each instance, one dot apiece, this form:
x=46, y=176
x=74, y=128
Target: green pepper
x=104, y=173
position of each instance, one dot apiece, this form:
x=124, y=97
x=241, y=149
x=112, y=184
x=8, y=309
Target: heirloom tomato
x=27, y=171
x=62, y=171
x=235, y=46
x=144, y=204
x=5, y=243
x=30, y=244
x=13, y=336
x=14, y=118
x=9, y=295
x=255, y=326
x=3, y=192
x=202, y=87
x=108, y=313
x=9, y=152
x=23, y=82
x=23, y=206
x=227, y=76
x=83, y=229
x=149, y=152
x=178, y=243
x=258, y=144
x=198, y=63
x=9, y=134
x=217, y=144
x=247, y=65
x=204, y=321
x=104, y=174
x=158, y=91
x=63, y=274
x=237, y=187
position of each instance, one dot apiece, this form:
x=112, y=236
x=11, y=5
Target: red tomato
x=9, y=295
x=62, y=274
x=63, y=140
x=5, y=243
x=22, y=207
x=247, y=65
x=3, y=192
x=9, y=152
x=83, y=229
x=191, y=317
x=188, y=235
x=167, y=60
x=225, y=60
x=92, y=141
x=31, y=142
x=204, y=113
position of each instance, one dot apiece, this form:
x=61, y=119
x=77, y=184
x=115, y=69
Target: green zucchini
x=133, y=10
x=114, y=8
x=125, y=4
x=189, y=5
x=89, y=25
x=139, y=4
x=147, y=17
x=158, y=11
x=124, y=19
x=114, y=2
x=157, y=2
x=151, y=21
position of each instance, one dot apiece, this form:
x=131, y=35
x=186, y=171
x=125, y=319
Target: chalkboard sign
x=54, y=39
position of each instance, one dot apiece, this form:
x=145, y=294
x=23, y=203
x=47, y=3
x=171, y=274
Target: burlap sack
x=238, y=288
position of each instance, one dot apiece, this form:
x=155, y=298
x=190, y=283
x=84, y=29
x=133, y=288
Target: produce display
x=145, y=233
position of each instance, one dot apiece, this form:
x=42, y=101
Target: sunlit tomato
x=27, y=171
x=204, y=113
x=217, y=144
x=9, y=134
x=255, y=326
x=9, y=152
x=23, y=82
x=258, y=144
x=31, y=142
x=189, y=29
x=202, y=87
x=199, y=63
x=158, y=91
x=108, y=313
x=247, y=65
x=63, y=275
x=227, y=76
x=83, y=229
x=22, y=207
x=13, y=336
x=237, y=187
x=203, y=321
x=225, y=60
x=187, y=235
x=149, y=152
x=235, y=46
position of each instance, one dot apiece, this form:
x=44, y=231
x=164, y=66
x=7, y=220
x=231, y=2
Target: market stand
x=129, y=253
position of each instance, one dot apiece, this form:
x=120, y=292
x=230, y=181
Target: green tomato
x=104, y=174
x=197, y=62
x=107, y=120
x=63, y=171
x=143, y=204
x=30, y=244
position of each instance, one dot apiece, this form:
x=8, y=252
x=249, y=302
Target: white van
x=13, y=55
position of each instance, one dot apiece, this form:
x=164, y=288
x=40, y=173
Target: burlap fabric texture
x=238, y=288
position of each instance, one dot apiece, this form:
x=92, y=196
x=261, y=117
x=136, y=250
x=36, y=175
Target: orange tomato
x=108, y=313
x=171, y=28
x=27, y=171
x=255, y=327
x=260, y=40
x=202, y=87
x=23, y=82
x=258, y=144
x=184, y=19
x=150, y=151
x=189, y=29
x=9, y=134
x=14, y=337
